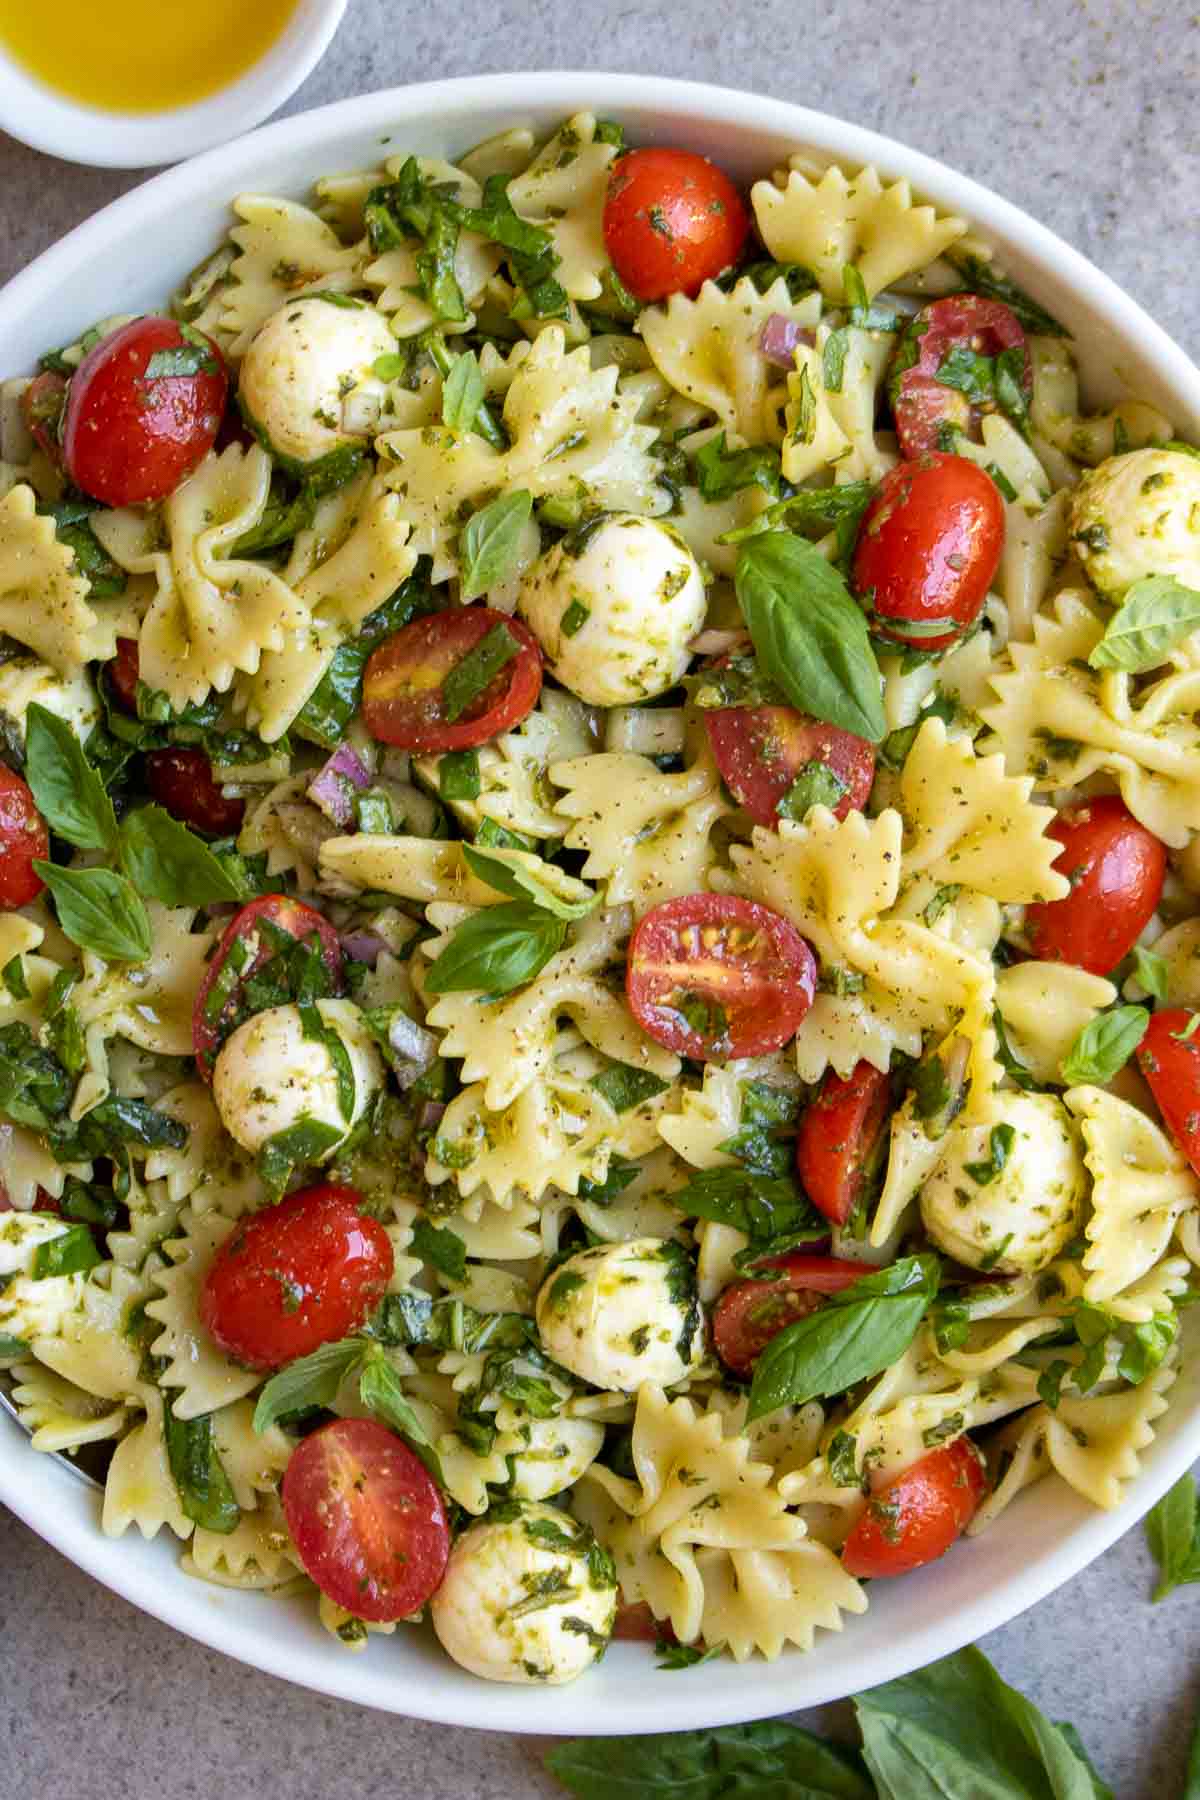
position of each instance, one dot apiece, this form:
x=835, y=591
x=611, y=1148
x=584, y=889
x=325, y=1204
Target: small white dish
x=48, y=120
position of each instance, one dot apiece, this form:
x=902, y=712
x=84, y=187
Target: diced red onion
x=430, y=1115
x=363, y=946
x=779, y=337
x=414, y=1045
x=332, y=787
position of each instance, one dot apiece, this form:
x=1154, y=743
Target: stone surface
x=1082, y=112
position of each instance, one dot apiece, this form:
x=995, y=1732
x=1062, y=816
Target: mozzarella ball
x=614, y=606
x=528, y=1595
x=304, y=364
x=25, y=681
x=269, y=1076
x=621, y=1314
x=1136, y=515
x=1015, y=1220
x=556, y=1453
x=32, y=1308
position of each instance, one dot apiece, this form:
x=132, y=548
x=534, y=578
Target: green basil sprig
x=855, y=1335
x=205, y=1493
x=762, y=1206
x=505, y=871
x=442, y=1249
x=99, y=911
x=487, y=548
x=1156, y=613
x=167, y=862
x=69, y=794
x=1105, y=1045
x=496, y=950
x=1150, y=970
x=314, y=1380
x=810, y=635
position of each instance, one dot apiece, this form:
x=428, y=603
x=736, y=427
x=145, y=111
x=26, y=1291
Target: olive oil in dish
x=141, y=56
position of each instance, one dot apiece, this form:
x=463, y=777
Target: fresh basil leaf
x=625, y=1087
x=181, y=360
x=1000, y=1143
x=1105, y=1045
x=12, y=1349
x=326, y=716
x=35, y=1088
x=1155, y=614
x=312, y=1380
x=956, y=1728
x=99, y=911
x=721, y=472
x=496, y=950
x=107, y=1128
x=1101, y=1787
x=490, y=542
x=491, y=836
x=771, y=1760
x=980, y=278
x=463, y=392
x=1150, y=971
x=471, y=677
x=458, y=775
x=508, y=876
x=815, y=785
x=73, y=527
x=73, y=1252
x=833, y=360
x=855, y=1335
x=69, y=794
x=673, y=1656
x=812, y=509
x=443, y=1250
x=1173, y=1534
x=167, y=862
x=894, y=750
x=762, y=1206
x=196, y=1469
x=810, y=635
x=299, y=1147
x=380, y=1390
x=620, y=1174
x=13, y=975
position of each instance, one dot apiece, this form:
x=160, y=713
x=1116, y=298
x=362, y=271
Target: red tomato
x=760, y=750
x=24, y=840
x=750, y=1313
x=712, y=976
x=182, y=781
x=922, y=404
x=42, y=406
x=403, y=698
x=672, y=221
x=1171, y=1064
x=636, y=1624
x=124, y=673
x=927, y=550
x=296, y=1275
x=1116, y=869
x=217, y=1003
x=840, y=1139
x=915, y=1517
x=366, y=1519
x=131, y=435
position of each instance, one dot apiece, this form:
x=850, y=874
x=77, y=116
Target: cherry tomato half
x=367, y=1520
x=760, y=750
x=1171, y=1064
x=296, y=1275
x=928, y=547
x=841, y=1138
x=713, y=976
x=914, y=1518
x=636, y=1624
x=124, y=672
x=672, y=221
x=42, y=406
x=134, y=429
x=218, y=1001
x=404, y=699
x=182, y=781
x=750, y=1313
x=1116, y=869
x=923, y=404
x=24, y=840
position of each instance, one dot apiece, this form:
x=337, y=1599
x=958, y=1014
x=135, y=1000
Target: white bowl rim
x=52, y=122
x=48, y=1498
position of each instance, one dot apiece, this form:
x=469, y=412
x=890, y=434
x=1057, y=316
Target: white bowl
x=51, y=121
x=131, y=256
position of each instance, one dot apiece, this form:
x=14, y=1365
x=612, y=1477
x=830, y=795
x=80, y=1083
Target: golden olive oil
x=140, y=56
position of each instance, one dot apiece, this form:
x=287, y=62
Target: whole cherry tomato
x=299, y=1274
x=182, y=781
x=143, y=411
x=42, y=406
x=761, y=750
x=672, y=221
x=24, y=840
x=1116, y=869
x=367, y=1520
x=914, y=1518
x=124, y=673
x=220, y=1002
x=713, y=976
x=749, y=1313
x=943, y=334
x=841, y=1140
x=1170, y=1060
x=428, y=688
x=928, y=547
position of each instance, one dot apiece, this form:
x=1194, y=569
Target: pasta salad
x=599, y=903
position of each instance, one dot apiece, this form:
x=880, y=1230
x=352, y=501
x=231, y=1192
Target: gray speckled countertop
x=1084, y=113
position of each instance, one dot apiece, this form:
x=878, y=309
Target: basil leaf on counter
x=1105, y=1045
x=167, y=862
x=771, y=1760
x=99, y=911
x=313, y=1380
x=1156, y=613
x=810, y=635
x=197, y=1471
x=490, y=540
x=508, y=875
x=1173, y=1534
x=496, y=950
x=70, y=795
x=856, y=1334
